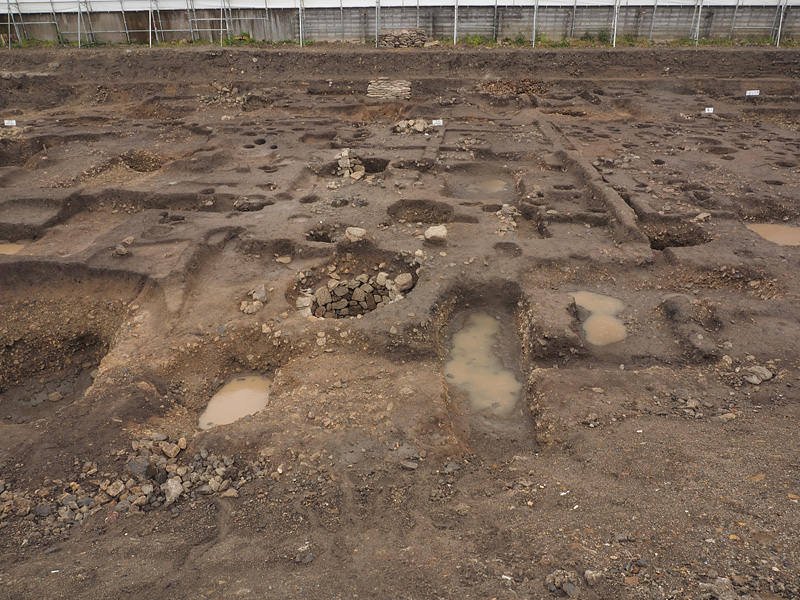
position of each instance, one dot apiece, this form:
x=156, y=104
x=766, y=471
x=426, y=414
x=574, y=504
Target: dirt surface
x=188, y=216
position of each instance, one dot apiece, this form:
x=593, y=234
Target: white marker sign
x=438, y=122
x=752, y=92
x=709, y=111
x=10, y=123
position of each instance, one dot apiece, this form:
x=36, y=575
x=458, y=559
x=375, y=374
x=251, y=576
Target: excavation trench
x=484, y=367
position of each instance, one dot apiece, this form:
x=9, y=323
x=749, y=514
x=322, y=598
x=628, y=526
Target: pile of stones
x=411, y=126
x=158, y=473
x=347, y=298
x=349, y=165
x=402, y=38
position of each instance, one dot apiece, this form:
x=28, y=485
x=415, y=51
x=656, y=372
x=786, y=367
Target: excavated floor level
x=530, y=333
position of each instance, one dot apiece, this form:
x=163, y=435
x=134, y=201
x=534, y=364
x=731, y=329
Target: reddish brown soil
x=662, y=466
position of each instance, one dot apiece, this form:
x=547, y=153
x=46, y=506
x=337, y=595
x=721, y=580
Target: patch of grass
x=478, y=40
x=34, y=43
x=603, y=36
x=631, y=40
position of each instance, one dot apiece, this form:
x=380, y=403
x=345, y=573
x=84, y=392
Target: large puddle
x=601, y=327
x=10, y=248
x=475, y=367
x=778, y=234
x=241, y=397
x=490, y=186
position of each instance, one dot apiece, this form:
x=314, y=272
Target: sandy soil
x=178, y=211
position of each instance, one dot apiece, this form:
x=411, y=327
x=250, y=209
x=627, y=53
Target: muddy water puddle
x=10, y=248
x=489, y=186
x=475, y=366
x=241, y=397
x=601, y=327
x=783, y=235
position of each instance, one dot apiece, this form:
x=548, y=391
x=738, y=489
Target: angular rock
x=323, y=296
x=355, y=234
x=404, y=282
x=436, y=234
x=757, y=375
x=259, y=293
x=172, y=489
x=170, y=450
x=115, y=489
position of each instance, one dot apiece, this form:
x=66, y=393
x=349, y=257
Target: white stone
x=436, y=234
x=404, y=282
x=355, y=234
x=173, y=489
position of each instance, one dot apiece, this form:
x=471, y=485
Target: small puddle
x=783, y=235
x=241, y=397
x=601, y=327
x=490, y=186
x=10, y=248
x=475, y=368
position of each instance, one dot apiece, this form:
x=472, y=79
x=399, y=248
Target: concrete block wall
x=358, y=24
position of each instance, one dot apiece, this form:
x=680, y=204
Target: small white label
x=709, y=111
x=438, y=122
x=752, y=92
x=10, y=123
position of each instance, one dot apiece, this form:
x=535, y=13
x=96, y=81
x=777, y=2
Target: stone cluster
x=154, y=476
x=402, y=38
x=259, y=296
x=346, y=298
x=411, y=126
x=389, y=89
x=349, y=165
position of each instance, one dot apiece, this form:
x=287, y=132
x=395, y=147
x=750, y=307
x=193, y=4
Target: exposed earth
x=173, y=219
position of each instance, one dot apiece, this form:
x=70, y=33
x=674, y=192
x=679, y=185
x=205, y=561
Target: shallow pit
x=374, y=165
x=674, y=236
x=358, y=279
x=42, y=395
x=237, y=399
x=421, y=211
x=325, y=233
x=142, y=161
x=479, y=181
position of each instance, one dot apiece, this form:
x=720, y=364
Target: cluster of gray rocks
x=346, y=298
x=402, y=38
x=154, y=476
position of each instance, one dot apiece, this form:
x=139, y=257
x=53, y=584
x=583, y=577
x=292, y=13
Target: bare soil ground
x=152, y=191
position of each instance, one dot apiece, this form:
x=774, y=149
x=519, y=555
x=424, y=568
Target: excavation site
x=332, y=322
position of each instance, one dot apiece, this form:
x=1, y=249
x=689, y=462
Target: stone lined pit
x=339, y=298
